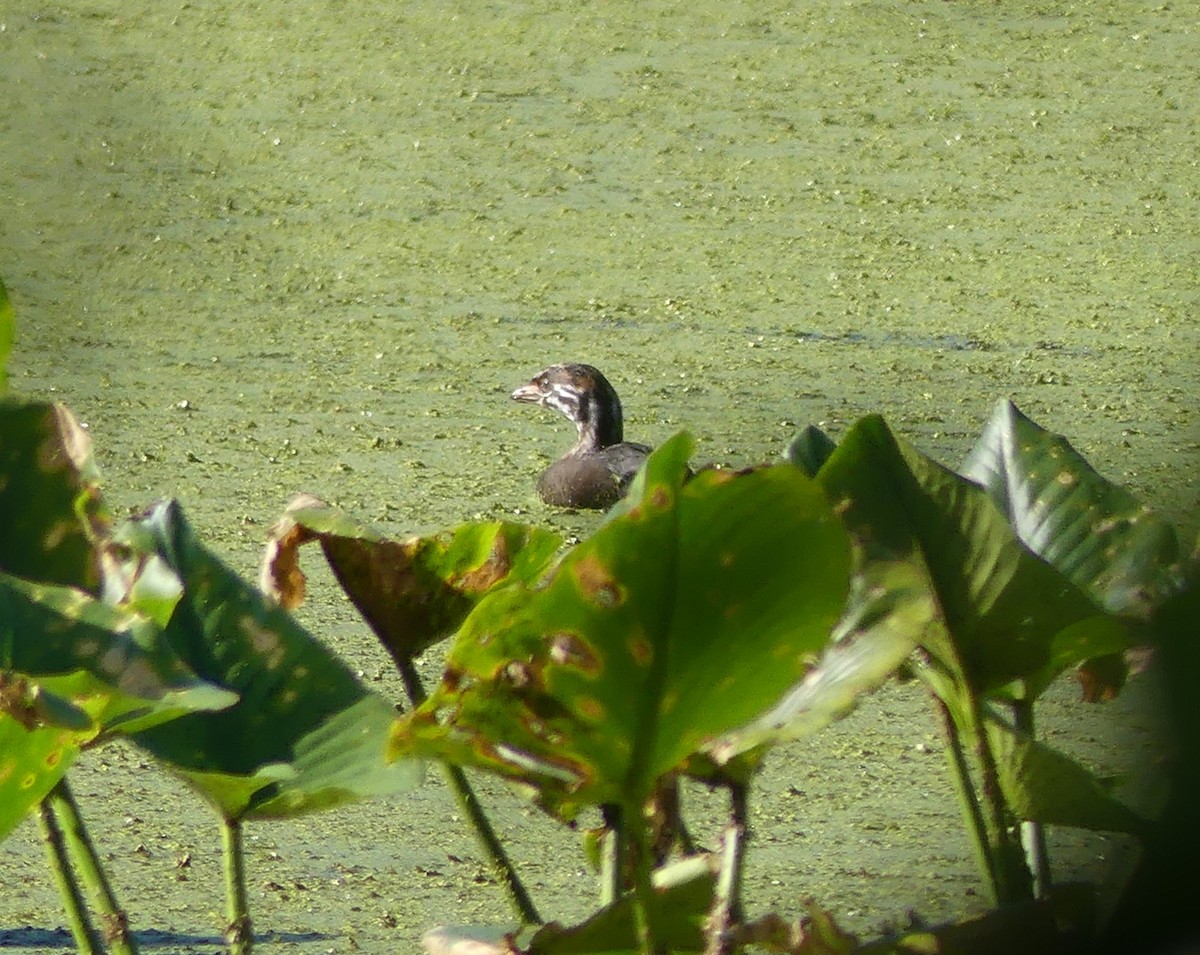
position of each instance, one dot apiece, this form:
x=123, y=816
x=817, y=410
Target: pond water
x=265, y=248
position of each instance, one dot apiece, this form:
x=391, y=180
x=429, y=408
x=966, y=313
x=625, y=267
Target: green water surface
x=262, y=248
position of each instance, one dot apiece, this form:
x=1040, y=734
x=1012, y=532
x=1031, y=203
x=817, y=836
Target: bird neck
x=599, y=423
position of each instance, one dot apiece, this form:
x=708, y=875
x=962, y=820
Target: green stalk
x=1033, y=834
x=502, y=865
x=968, y=799
x=997, y=849
x=612, y=855
x=86, y=941
x=727, y=897
x=643, y=887
x=1015, y=883
x=83, y=852
x=239, y=934
x=469, y=804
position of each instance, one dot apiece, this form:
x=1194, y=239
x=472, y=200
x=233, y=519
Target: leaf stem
x=239, y=934
x=472, y=808
x=997, y=846
x=1033, y=833
x=83, y=853
x=960, y=772
x=612, y=855
x=86, y=940
x=636, y=832
x=727, y=898
x=1014, y=883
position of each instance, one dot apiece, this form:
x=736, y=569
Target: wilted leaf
x=411, y=592
x=1091, y=530
x=686, y=614
x=49, y=495
x=289, y=744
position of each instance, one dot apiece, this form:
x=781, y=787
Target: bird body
x=596, y=472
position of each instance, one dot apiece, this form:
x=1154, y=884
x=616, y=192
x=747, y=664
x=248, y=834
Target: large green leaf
x=1002, y=608
x=691, y=610
x=304, y=734
x=73, y=668
x=107, y=661
x=888, y=613
x=412, y=592
x=7, y=333
x=49, y=497
x=32, y=761
x=1044, y=785
x=1094, y=532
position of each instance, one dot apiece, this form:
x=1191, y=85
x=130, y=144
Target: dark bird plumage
x=596, y=472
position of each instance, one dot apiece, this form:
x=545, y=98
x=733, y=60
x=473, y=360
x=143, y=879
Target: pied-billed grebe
x=597, y=471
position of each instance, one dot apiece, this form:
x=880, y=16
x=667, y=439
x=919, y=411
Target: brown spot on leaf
x=56, y=533
x=640, y=649
x=519, y=674
x=112, y=662
x=591, y=709
x=596, y=583
x=491, y=571
x=569, y=649
x=264, y=641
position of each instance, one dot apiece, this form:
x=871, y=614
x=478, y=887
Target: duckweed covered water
x=263, y=249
